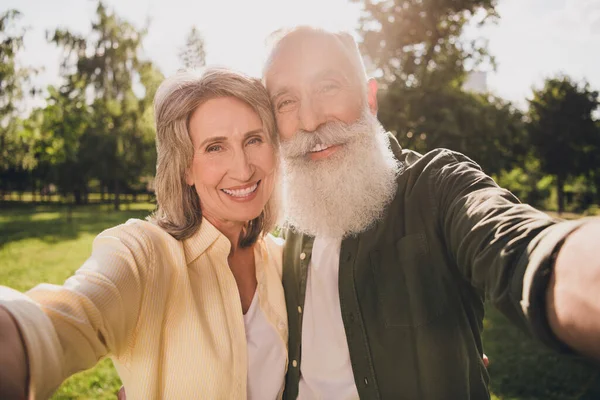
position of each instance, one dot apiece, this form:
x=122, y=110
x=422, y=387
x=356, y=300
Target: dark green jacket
x=412, y=287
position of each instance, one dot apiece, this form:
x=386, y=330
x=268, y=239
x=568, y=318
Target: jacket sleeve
x=69, y=328
x=504, y=248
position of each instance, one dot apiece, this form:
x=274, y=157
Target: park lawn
x=41, y=244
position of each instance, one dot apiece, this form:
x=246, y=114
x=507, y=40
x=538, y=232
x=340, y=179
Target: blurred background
x=513, y=84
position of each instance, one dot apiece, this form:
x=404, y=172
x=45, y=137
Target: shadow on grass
x=54, y=223
x=525, y=370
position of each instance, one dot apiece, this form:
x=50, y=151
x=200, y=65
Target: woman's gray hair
x=179, y=210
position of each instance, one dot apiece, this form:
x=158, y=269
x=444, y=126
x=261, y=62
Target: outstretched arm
x=52, y=331
x=573, y=296
x=13, y=374
x=542, y=273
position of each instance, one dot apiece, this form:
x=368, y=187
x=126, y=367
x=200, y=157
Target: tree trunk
x=560, y=183
x=117, y=197
x=77, y=195
x=597, y=185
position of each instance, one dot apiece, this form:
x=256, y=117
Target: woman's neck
x=232, y=231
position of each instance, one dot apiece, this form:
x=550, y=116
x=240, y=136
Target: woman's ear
x=189, y=176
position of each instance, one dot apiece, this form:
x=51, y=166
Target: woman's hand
x=13, y=359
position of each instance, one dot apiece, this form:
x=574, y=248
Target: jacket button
x=299, y=310
x=294, y=363
x=302, y=256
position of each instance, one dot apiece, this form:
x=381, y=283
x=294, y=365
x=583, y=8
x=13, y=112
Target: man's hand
x=573, y=296
x=13, y=359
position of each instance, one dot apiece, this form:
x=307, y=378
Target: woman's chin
x=246, y=215
x=246, y=211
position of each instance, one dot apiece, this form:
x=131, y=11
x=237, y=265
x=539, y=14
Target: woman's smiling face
x=233, y=169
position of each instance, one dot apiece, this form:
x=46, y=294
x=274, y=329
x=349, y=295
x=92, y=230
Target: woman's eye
x=213, y=148
x=255, y=140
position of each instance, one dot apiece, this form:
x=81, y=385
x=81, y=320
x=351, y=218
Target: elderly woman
x=188, y=304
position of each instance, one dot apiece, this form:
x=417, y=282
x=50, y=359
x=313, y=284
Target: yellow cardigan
x=167, y=312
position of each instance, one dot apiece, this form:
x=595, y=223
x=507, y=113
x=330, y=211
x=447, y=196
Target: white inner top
x=266, y=358
x=326, y=371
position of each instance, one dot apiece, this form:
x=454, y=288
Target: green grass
x=521, y=369
x=47, y=244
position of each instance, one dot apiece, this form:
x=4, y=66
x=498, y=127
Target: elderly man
x=390, y=254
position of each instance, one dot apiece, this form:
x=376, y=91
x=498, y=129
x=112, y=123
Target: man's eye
x=285, y=104
x=329, y=87
x=213, y=148
x=255, y=140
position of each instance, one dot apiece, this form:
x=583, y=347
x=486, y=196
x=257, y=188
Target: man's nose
x=310, y=116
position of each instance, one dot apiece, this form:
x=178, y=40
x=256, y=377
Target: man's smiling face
x=312, y=81
x=339, y=172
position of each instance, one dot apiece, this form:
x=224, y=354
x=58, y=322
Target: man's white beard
x=345, y=193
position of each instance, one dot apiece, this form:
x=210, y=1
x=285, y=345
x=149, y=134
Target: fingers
x=121, y=395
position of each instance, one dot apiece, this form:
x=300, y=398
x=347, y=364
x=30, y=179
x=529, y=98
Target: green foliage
x=562, y=130
x=419, y=42
x=11, y=76
x=419, y=48
x=486, y=128
x=15, y=157
x=116, y=146
x=527, y=183
x=97, y=126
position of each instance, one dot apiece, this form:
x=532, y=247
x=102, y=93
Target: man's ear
x=372, y=95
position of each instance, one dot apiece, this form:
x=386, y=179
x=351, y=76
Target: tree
x=193, y=55
x=418, y=43
x=107, y=63
x=486, y=128
x=562, y=130
x=13, y=149
x=594, y=161
x=419, y=49
x=64, y=150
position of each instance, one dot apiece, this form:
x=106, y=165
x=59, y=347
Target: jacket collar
x=206, y=236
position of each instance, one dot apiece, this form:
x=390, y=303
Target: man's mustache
x=329, y=134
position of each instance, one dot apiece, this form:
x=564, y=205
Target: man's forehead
x=307, y=58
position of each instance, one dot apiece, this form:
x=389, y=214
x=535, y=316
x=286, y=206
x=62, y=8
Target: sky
x=533, y=40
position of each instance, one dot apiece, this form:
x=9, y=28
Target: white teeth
x=319, y=147
x=241, y=192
